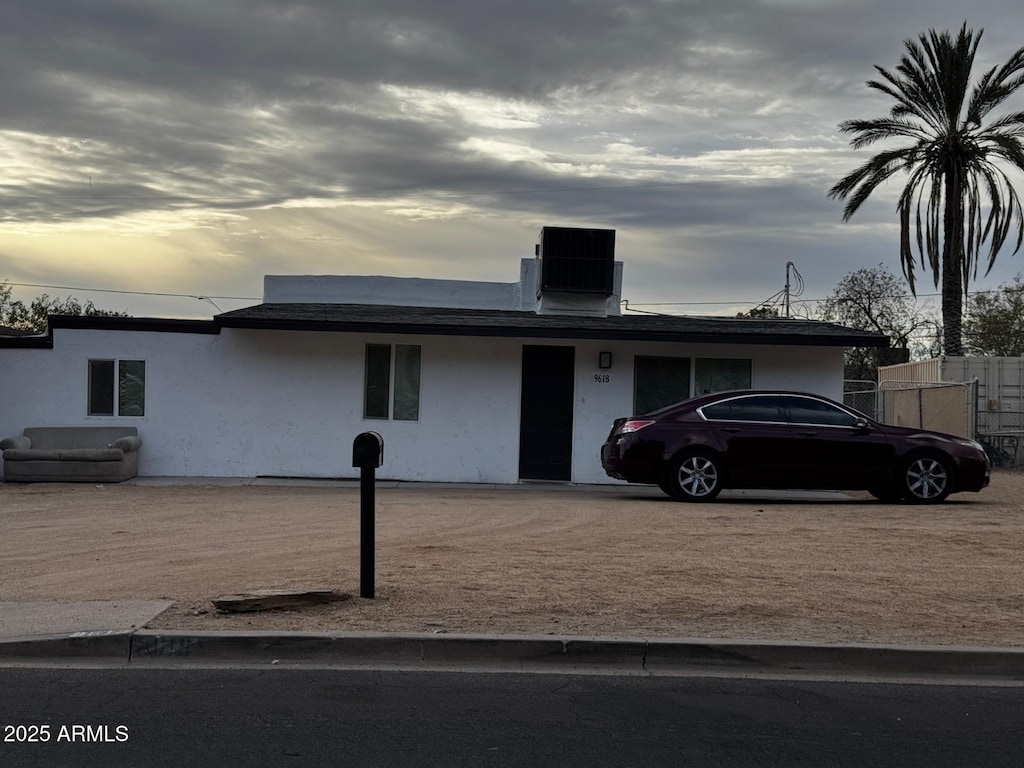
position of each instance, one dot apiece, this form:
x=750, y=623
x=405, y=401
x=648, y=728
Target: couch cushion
x=72, y=454
x=32, y=454
x=92, y=454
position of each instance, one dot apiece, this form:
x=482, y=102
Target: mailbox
x=368, y=450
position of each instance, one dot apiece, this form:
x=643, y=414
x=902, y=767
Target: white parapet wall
x=522, y=295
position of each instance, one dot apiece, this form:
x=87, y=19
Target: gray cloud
x=705, y=123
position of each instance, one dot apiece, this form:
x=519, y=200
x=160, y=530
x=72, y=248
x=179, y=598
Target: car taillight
x=634, y=426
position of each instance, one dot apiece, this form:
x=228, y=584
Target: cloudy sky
x=190, y=147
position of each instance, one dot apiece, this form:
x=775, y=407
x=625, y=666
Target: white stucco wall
x=257, y=403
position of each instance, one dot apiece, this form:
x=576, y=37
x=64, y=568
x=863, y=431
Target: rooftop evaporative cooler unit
x=577, y=260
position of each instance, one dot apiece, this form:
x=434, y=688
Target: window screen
x=131, y=388
x=660, y=381
x=407, y=382
x=720, y=375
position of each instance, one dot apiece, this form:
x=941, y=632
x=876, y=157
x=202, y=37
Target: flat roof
x=355, y=318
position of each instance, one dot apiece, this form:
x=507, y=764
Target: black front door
x=545, y=427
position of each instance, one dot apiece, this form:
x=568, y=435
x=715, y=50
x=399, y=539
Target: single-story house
x=465, y=381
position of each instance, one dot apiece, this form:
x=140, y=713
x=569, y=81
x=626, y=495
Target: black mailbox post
x=367, y=454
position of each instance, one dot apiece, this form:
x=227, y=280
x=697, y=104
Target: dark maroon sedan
x=762, y=439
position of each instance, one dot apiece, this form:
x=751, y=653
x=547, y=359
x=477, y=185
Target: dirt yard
x=624, y=562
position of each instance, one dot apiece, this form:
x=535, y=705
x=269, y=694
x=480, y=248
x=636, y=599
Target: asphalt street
x=311, y=717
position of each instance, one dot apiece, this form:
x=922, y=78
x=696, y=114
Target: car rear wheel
x=695, y=476
x=926, y=479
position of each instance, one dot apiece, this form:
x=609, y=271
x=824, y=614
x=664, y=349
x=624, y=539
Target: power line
x=630, y=304
x=132, y=293
x=758, y=303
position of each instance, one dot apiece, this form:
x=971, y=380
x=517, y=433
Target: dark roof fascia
x=27, y=342
x=148, y=324
x=100, y=323
x=548, y=327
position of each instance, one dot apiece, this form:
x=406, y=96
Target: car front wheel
x=695, y=477
x=926, y=479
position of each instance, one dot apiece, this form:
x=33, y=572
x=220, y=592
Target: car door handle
x=807, y=434
x=732, y=430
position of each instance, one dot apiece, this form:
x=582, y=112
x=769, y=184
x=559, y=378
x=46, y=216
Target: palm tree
x=958, y=196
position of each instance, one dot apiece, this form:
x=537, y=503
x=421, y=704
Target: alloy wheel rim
x=927, y=478
x=698, y=476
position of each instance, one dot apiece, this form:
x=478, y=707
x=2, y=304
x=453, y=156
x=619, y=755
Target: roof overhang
x=431, y=321
x=361, y=318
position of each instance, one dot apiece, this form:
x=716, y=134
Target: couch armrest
x=19, y=441
x=127, y=444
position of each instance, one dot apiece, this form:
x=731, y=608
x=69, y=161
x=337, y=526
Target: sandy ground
x=625, y=562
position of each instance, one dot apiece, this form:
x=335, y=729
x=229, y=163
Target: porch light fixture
x=604, y=359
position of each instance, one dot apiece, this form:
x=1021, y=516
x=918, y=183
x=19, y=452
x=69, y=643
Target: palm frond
x=1014, y=121
x=880, y=129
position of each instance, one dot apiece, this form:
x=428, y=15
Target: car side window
x=806, y=410
x=760, y=409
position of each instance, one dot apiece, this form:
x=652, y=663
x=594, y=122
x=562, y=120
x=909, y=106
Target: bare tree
x=994, y=322
x=875, y=300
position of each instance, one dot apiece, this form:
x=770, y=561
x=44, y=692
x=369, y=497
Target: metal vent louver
x=577, y=260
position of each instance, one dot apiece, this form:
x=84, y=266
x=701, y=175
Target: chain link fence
x=940, y=406
x=861, y=395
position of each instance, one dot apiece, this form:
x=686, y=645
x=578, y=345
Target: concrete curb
x=430, y=651
x=890, y=660
x=344, y=648
x=102, y=644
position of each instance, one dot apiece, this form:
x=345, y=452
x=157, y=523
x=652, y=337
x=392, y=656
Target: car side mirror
x=863, y=426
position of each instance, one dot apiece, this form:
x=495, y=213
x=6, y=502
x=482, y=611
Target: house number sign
x=603, y=378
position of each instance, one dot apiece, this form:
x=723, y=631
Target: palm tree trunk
x=952, y=262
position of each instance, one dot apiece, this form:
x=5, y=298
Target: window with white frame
x=392, y=382
x=117, y=388
x=662, y=381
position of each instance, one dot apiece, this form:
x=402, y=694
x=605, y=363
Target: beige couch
x=72, y=455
